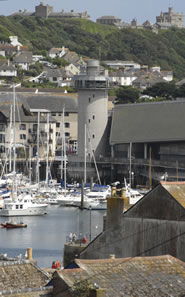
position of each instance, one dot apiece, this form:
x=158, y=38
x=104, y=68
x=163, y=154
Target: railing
x=140, y=162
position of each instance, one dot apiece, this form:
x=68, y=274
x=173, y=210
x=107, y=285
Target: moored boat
x=23, y=205
x=10, y=225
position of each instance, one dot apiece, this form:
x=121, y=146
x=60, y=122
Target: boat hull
x=15, y=225
x=34, y=211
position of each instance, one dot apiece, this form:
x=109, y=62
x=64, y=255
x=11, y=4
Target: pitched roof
x=166, y=201
x=139, y=276
x=54, y=103
x=177, y=190
x=23, y=57
x=21, y=275
x=148, y=122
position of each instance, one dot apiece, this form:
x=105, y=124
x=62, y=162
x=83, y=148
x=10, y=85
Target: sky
x=142, y=10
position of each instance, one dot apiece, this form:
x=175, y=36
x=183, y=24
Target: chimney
x=29, y=254
x=97, y=292
x=115, y=206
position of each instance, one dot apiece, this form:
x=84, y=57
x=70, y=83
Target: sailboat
x=20, y=204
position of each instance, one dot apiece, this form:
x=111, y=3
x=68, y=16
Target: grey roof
x=54, y=103
x=57, y=72
x=7, y=66
x=22, y=109
x=148, y=122
x=109, y=17
x=21, y=275
x=23, y=57
x=139, y=276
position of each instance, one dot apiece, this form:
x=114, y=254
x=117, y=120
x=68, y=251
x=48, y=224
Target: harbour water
x=47, y=234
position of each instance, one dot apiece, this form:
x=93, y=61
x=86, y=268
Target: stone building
x=123, y=277
x=109, y=20
x=43, y=10
x=172, y=18
x=153, y=226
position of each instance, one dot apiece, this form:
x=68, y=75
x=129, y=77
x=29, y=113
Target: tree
x=162, y=89
x=127, y=94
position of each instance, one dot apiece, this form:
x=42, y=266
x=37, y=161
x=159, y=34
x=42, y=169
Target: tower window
x=93, y=117
x=93, y=136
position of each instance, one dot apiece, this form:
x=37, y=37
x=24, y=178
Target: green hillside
x=166, y=49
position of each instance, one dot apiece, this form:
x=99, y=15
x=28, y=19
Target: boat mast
x=47, y=150
x=10, y=141
x=95, y=164
x=64, y=149
x=14, y=147
x=130, y=165
x=38, y=149
x=85, y=155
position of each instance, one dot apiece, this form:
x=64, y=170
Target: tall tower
x=92, y=89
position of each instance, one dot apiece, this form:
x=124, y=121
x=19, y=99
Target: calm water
x=47, y=234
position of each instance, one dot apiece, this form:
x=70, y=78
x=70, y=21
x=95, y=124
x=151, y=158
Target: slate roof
x=23, y=57
x=6, y=66
x=54, y=103
x=148, y=122
x=138, y=277
x=21, y=275
x=60, y=72
x=22, y=110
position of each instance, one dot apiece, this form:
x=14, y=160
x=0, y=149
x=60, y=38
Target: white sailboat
x=20, y=204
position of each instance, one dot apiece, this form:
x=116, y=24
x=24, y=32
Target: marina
x=47, y=234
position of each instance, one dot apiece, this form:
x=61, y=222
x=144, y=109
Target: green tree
x=127, y=94
x=162, y=89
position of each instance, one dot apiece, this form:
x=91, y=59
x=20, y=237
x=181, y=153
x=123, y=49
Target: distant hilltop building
x=46, y=11
x=109, y=20
x=171, y=18
x=166, y=20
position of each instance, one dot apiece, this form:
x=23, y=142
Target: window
x=57, y=125
x=2, y=149
x=2, y=127
x=94, y=95
x=34, y=127
x=22, y=136
x=66, y=114
x=2, y=138
x=67, y=134
x=57, y=133
x=67, y=125
x=59, y=114
x=89, y=120
x=22, y=127
x=53, y=114
x=93, y=136
x=93, y=117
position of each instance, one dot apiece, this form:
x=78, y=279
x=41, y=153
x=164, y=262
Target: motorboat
x=13, y=225
x=23, y=205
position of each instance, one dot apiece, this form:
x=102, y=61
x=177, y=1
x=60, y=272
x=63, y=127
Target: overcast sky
x=142, y=10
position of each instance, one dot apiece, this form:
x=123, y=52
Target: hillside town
x=92, y=135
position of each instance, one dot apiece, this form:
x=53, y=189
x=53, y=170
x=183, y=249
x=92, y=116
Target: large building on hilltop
x=171, y=18
x=46, y=11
